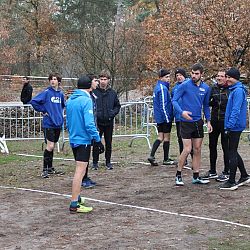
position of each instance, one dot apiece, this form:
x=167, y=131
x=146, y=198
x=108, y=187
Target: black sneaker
x=54, y=171
x=109, y=166
x=209, y=175
x=95, y=166
x=243, y=180
x=170, y=162
x=152, y=161
x=45, y=174
x=222, y=177
x=228, y=186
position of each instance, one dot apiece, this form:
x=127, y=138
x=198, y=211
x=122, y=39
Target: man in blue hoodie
x=51, y=103
x=180, y=76
x=195, y=97
x=163, y=115
x=235, y=123
x=82, y=133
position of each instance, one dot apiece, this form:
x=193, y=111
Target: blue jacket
x=80, y=119
x=163, y=108
x=51, y=103
x=177, y=115
x=236, y=111
x=194, y=98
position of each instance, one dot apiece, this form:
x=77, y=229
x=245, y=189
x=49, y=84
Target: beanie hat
x=234, y=73
x=163, y=72
x=84, y=82
x=180, y=71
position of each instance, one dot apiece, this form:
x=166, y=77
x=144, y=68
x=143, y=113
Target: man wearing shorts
x=163, y=115
x=51, y=103
x=82, y=132
x=195, y=96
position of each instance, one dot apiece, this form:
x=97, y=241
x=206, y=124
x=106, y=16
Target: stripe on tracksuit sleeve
x=163, y=103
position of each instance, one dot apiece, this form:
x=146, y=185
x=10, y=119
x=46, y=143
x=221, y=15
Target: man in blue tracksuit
x=180, y=76
x=82, y=133
x=195, y=96
x=163, y=115
x=51, y=103
x=235, y=123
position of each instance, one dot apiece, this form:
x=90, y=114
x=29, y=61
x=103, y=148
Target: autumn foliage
x=215, y=33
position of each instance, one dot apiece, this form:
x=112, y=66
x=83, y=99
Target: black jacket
x=108, y=106
x=218, y=102
x=26, y=94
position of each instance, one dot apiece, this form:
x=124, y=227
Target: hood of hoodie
x=238, y=85
x=78, y=93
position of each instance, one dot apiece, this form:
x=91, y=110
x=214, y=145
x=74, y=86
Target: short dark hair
x=198, y=66
x=57, y=75
x=92, y=76
x=105, y=73
x=26, y=77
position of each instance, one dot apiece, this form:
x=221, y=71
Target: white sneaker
x=179, y=181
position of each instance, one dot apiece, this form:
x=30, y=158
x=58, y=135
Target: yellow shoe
x=80, y=209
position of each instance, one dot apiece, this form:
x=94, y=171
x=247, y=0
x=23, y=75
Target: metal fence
x=22, y=122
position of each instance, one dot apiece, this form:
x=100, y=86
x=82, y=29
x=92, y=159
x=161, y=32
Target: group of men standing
x=190, y=98
x=90, y=112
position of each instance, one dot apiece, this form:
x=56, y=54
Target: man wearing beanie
x=235, y=123
x=180, y=76
x=218, y=102
x=163, y=115
x=82, y=131
x=194, y=94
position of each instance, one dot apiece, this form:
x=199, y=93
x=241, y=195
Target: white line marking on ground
x=132, y=206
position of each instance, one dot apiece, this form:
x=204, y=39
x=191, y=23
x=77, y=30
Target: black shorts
x=164, y=127
x=52, y=134
x=192, y=129
x=82, y=153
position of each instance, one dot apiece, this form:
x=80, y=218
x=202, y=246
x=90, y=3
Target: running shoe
x=95, y=166
x=80, y=209
x=170, y=162
x=179, y=181
x=54, y=171
x=199, y=180
x=152, y=161
x=228, y=186
x=222, y=177
x=45, y=174
x=209, y=175
x=87, y=184
x=243, y=180
x=109, y=166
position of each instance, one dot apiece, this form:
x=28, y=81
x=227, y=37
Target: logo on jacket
x=55, y=99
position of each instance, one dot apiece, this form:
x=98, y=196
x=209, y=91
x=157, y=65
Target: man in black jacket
x=108, y=106
x=26, y=94
x=218, y=102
